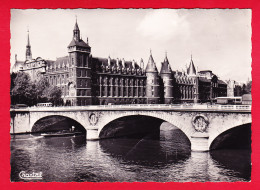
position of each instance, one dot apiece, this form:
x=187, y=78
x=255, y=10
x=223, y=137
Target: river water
x=67, y=159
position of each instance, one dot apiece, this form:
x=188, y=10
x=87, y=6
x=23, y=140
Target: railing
x=180, y=107
x=230, y=107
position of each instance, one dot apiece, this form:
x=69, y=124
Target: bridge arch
x=56, y=123
x=172, y=119
x=224, y=130
x=131, y=125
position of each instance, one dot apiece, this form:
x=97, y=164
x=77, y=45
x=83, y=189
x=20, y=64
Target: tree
x=41, y=86
x=238, y=90
x=248, y=87
x=53, y=94
x=22, y=89
x=13, y=76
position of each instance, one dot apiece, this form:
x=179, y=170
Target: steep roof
x=191, y=69
x=151, y=66
x=80, y=43
x=59, y=61
x=166, y=68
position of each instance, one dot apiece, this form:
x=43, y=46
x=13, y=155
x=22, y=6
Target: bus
x=19, y=106
x=237, y=100
x=48, y=104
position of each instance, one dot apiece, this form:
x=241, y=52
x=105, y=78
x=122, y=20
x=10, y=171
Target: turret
x=152, y=83
x=166, y=75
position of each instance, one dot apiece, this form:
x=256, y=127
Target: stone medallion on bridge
x=93, y=118
x=200, y=123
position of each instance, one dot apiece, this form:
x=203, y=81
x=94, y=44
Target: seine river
x=143, y=159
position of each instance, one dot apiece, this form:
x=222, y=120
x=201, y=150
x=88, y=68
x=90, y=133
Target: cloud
x=163, y=24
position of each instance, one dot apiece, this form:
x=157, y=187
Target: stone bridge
x=200, y=123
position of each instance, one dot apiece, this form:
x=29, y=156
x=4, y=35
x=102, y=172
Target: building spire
x=28, y=54
x=76, y=31
x=191, y=69
x=28, y=40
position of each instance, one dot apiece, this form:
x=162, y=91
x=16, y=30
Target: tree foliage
x=243, y=89
x=25, y=91
x=248, y=87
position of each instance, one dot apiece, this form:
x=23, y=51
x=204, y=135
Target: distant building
x=234, y=88
x=88, y=80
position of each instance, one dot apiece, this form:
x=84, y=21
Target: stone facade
x=88, y=80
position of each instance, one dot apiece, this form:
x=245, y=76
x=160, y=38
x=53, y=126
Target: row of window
x=123, y=91
x=121, y=81
x=58, y=79
x=33, y=64
x=83, y=83
x=133, y=71
x=83, y=92
x=186, y=92
x=83, y=73
x=82, y=60
x=57, y=68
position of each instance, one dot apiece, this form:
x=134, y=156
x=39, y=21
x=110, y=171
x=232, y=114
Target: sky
x=218, y=39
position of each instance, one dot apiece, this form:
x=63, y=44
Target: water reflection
x=125, y=159
x=145, y=151
x=237, y=160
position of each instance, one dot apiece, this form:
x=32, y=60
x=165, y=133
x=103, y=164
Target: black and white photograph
x=130, y=95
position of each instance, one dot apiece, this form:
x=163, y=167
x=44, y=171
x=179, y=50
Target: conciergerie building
x=88, y=80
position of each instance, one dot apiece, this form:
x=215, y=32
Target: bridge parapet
x=170, y=107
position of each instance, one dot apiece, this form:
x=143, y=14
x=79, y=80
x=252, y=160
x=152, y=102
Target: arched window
x=72, y=61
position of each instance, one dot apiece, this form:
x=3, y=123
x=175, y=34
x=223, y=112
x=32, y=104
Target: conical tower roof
x=166, y=68
x=191, y=69
x=151, y=66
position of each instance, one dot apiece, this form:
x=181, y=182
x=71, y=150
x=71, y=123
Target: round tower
x=166, y=75
x=152, y=82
